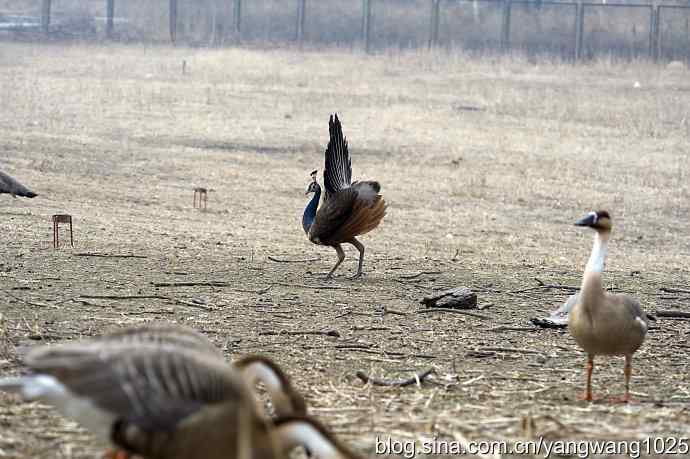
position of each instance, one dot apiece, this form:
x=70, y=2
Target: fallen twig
x=546, y=287
x=305, y=332
x=315, y=287
x=516, y=350
x=40, y=305
x=282, y=260
x=673, y=290
x=261, y=291
x=148, y=297
x=503, y=328
x=106, y=255
x=412, y=276
x=124, y=297
x=191, y=284
x=454, y=311
x=674, y=314
x=418, y=378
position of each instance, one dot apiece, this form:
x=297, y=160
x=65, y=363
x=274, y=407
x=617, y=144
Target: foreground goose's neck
x=303, y=433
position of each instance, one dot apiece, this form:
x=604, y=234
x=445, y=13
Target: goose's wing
x=559, y=317
x=337, y=173
x=13, y=187
x=162, y=334
x=634, y=310
x=154, y=387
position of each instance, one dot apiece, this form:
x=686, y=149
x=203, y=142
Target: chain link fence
x=569, y=29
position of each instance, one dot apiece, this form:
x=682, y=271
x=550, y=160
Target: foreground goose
x=11, y=186
x=349, y=209
x=253, y=368
x=604, y=323
x=165, y=402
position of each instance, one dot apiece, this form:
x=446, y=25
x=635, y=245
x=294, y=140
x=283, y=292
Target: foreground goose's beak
x=589, y=220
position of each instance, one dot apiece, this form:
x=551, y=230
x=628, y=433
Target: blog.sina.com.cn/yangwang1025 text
x=634, y=449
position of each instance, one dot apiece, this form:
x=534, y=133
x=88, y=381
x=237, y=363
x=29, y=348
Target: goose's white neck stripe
x=260, y=372
x=598, y=256
x=304, y=434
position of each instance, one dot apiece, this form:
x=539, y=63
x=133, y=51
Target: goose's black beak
x=589, y=220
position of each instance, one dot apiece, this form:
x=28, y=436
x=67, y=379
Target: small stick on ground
x=516, y=350
x=106, y=255
x=413, y=276
x=124, y=297
x=316, y=287
x=305, y=332
x=283, y=260
x=455, y=311
x=191, y=284
x=673, y=314
x=40, y=305
x=148, y=297
x=418, y=378
x=546, y=287
x=673, y=290
x=503, y=328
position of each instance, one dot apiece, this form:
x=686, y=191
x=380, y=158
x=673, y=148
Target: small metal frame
x=57, y=219
x=203, y=195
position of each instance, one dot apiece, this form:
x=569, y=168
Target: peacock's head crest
x=313, y=185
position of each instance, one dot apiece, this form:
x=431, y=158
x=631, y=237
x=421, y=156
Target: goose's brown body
x=603, y=323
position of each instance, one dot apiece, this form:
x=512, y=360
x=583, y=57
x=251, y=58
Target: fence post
x=505, y=26
x=45, y=16
x=237, y=17
x=579, y=28
x=435, y=19
x=173, y=20
x=366, y=23
x=110, y=14
x=301, y=14
x=655, y=39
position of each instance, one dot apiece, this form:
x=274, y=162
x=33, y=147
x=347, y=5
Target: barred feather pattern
x=337, y=174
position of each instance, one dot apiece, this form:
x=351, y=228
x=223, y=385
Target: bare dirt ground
x=485, y=164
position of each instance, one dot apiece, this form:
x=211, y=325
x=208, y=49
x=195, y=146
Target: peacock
x=348, y=209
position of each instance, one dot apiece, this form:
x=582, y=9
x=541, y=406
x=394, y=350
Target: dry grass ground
x=485, y=164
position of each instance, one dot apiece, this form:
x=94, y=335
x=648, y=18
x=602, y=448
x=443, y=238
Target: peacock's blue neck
x=310, y=211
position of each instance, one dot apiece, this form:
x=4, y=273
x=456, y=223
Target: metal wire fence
x=569, y=29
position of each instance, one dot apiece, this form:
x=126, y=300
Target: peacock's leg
x=359, y=247
x=341, y=256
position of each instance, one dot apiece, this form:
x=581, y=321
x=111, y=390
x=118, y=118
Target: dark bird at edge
x=11, y=186
x=348, y=209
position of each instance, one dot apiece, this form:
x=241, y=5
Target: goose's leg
x=589, y=368
x=341, y=256
x=117, y=454
x=359, y=247
x=628, y=372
